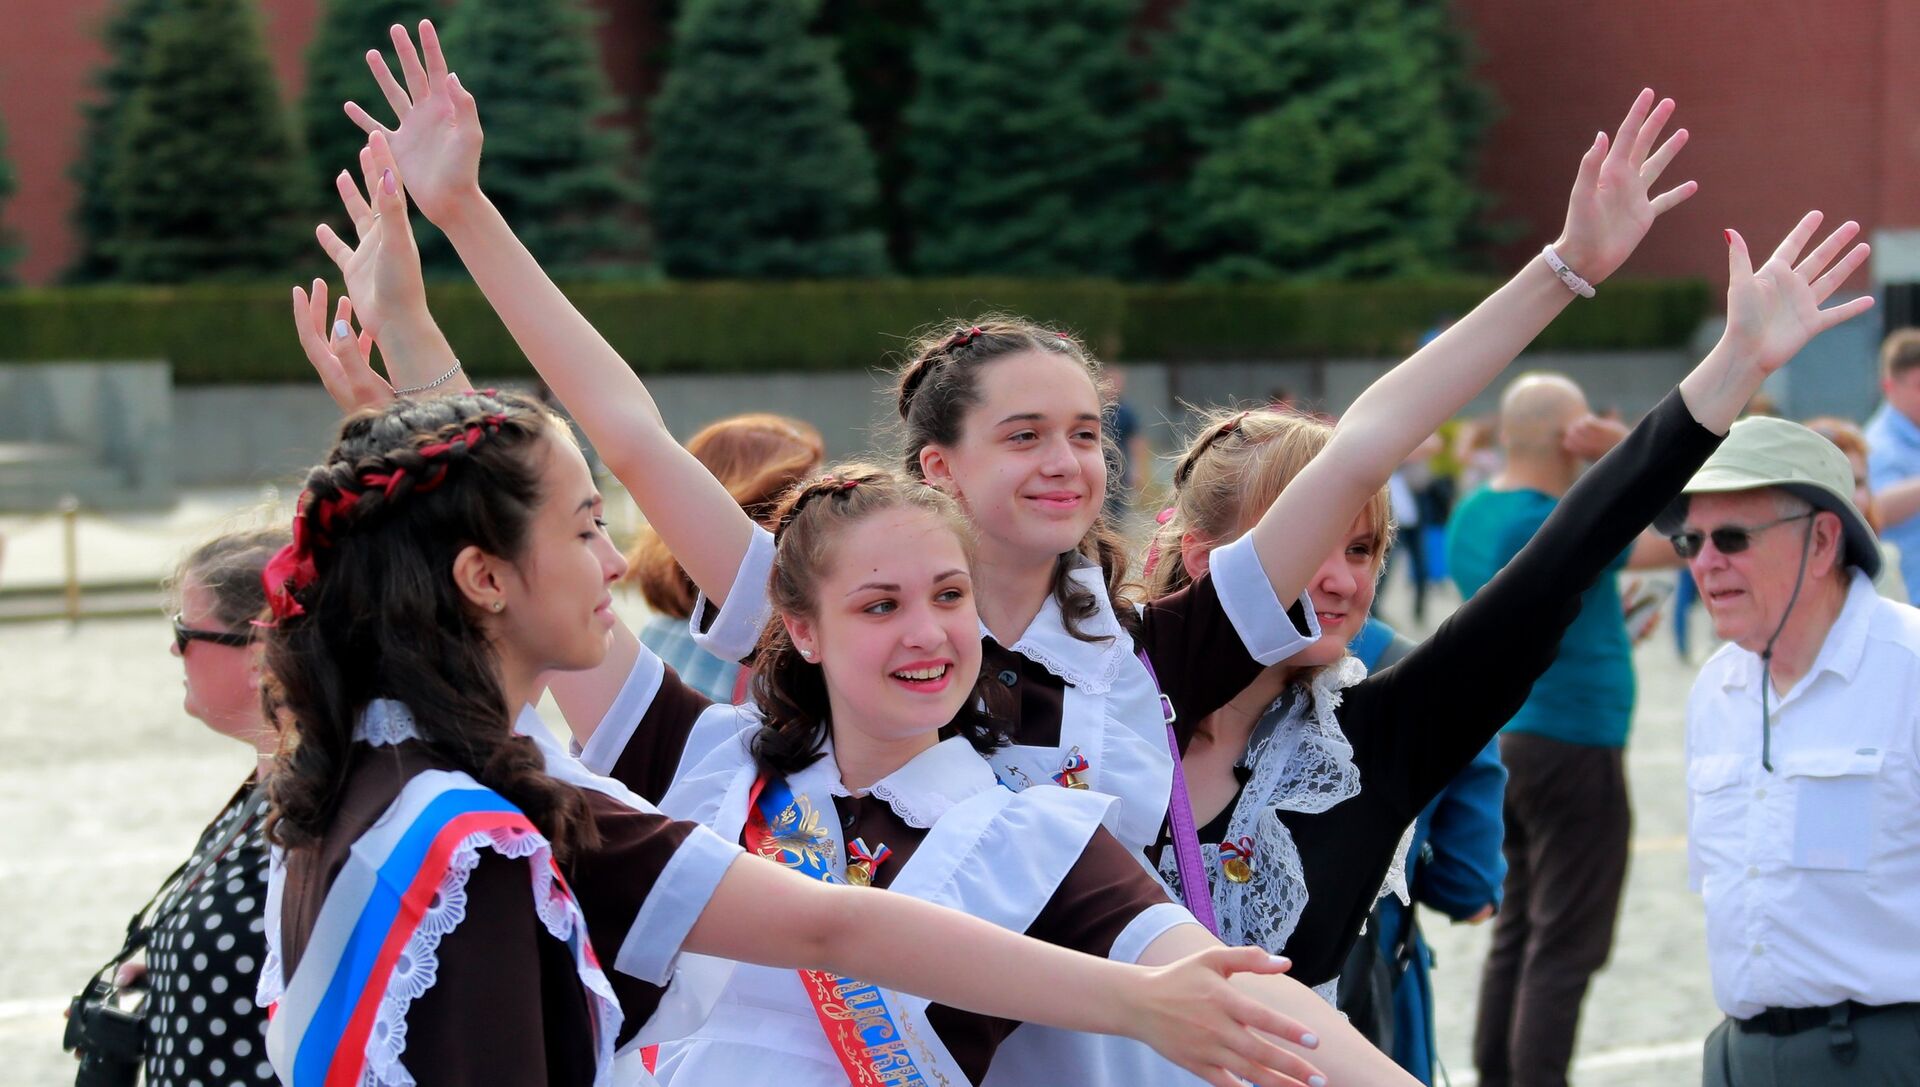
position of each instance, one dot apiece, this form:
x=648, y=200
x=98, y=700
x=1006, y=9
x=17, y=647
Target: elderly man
x=1804, y=796
x=1566, y=809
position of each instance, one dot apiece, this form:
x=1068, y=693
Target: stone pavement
x=107, y=783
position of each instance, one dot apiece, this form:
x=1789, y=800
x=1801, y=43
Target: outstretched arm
x=1608, y=214
x=1186, y=1009
x=436, y=145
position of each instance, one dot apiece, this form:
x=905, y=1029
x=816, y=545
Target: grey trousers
x=1886, y=1053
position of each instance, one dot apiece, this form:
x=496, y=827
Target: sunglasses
x=184, y=635
x=1727, y=539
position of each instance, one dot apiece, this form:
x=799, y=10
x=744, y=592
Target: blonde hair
x=1232, y=470
x=756, y=457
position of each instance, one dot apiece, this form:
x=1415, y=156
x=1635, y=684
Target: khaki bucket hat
x=1766, y=452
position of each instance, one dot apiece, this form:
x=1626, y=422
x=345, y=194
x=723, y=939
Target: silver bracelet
x=1567, y=275
x=438, y=381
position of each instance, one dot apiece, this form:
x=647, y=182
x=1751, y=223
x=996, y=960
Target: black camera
x=108, y=1038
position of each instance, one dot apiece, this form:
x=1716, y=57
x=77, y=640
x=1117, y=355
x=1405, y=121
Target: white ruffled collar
x=921, y=791
x=1090, y=666
x=385, y=722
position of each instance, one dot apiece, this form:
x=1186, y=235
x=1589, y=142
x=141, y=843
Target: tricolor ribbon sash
x=854, y=1014
x=329, y=1047
x=1071, y=767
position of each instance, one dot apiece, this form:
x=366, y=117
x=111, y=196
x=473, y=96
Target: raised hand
x=1612, y=208
x=436, y=138
x=337, y=353
x=382, y=272
x=1590, y=437
x=1772, y=312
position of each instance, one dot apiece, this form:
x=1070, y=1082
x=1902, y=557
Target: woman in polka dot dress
x=206, y=938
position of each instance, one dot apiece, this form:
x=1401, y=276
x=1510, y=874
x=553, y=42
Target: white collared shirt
x=1811, y=873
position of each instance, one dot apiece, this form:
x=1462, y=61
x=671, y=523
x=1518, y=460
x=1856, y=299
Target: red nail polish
x=1729, y=237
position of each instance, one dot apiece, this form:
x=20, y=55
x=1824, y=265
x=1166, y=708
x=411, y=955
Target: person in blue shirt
x=1893, y=450
x=1566, y=810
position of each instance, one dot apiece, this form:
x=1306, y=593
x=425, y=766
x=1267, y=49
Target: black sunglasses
x=184, y=634
x=1727, y=539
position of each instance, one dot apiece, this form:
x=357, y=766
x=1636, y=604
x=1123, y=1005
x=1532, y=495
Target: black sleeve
x=1420, y=722
x=1198, y=657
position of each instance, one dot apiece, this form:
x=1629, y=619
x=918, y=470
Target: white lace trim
x=1305, y=764
x=384, y=723
x=418, y=965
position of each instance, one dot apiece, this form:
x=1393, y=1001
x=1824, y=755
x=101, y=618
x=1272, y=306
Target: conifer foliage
x=1320, y=138
x=758, y=170
x=337, y=73
x=8, y=254
x=1023, y=139
x=204, y=180
x=555, y=164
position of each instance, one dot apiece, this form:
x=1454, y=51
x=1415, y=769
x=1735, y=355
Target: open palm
x=437, y=138
x=1613, y=205
x=1772, y=312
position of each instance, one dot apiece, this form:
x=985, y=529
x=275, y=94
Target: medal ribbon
x=1071, y=767
x=854, y=1014
x=1242, y=848
x=858, y=853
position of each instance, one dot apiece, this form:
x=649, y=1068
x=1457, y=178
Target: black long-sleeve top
x=1417, y=724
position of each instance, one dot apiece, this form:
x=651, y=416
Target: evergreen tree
x=205, y=180
x=1023, y=141
x=874, y=39
x=8, y=254
x=336, y=73
x=125, y=37
x=758, y=170
x=554, y=164
x=1320, y=138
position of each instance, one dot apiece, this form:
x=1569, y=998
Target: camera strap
x=182, y=879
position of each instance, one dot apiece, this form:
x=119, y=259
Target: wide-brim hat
x=1763, y=452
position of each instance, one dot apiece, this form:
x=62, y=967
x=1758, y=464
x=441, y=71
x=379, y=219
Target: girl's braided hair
x=811, y=521
x=940, y=383
x=367, y=608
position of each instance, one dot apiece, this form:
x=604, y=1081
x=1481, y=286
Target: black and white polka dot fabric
x=203, y=955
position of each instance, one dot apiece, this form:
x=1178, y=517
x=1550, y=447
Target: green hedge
x=234, y=334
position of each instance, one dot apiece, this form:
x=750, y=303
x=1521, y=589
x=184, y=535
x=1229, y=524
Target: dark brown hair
x=940, y=383
x=791, y=691
x=405, y=489
x=756, y=457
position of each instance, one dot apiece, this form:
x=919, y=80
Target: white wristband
x=1567, y=275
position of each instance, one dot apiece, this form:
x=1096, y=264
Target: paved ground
x=107, y=782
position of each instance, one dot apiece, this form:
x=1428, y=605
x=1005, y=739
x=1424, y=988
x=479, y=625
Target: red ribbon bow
x=873, y=858
x=1242, y=848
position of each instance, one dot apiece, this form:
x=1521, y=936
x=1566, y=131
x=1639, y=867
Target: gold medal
x=1238, y=870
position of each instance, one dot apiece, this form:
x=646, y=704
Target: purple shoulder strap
x=1194, y=886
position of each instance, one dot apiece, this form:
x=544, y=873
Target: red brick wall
x=1790, y=105
x=48, y=54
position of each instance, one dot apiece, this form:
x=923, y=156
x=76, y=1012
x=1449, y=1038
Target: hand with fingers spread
x=383, y=271
x=337, y=353
x=1613, y=205
x=1771, y=314
x=1774, y=310
x=436, y=135
x=1195, y=1018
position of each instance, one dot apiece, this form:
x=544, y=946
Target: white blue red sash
x=323, y=1032
x=859, y=1025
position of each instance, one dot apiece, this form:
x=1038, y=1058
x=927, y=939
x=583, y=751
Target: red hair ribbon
x=289, y=571
x=963, y=337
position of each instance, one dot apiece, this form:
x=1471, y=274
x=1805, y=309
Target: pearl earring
x=807, y=655
x=499, y=606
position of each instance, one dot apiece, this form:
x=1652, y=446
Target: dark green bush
x=222, y=334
